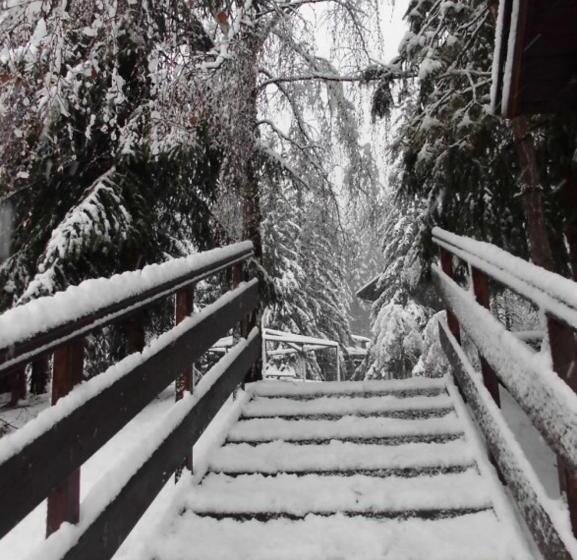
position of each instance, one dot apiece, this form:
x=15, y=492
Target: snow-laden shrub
x=398, y=342
x=432, y=362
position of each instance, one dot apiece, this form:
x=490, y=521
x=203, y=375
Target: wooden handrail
x=35, y=341
x=43, y=459
x=507, y=360
x=551, y=292
x=139, y=487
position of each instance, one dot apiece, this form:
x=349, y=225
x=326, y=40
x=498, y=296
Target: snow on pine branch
x=100, y=219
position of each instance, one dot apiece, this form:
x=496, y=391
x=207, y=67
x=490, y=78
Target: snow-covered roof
x=369, y=291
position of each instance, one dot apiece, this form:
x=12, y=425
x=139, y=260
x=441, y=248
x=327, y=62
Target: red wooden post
x=64, y=501
x=563, y=355
x=39, y=375
x=135, y=335
x=183, y=307
x=447, y=268
x=481, y=290
x=17, y=386
x=237, y=278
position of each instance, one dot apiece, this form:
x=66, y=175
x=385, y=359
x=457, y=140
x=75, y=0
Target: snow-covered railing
x=298, y=343
x=43, y=459
x=45, y=323
x=545, y=393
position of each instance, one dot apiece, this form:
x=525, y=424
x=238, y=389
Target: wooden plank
x=550, y=69
x=481, y=291
x=562, y=344
x=183, y=308
x=447, y=268
x=26, y=478
x=42, y=343
x=487, y=415
x=516, y=75
x=64, y=500
x=107, y=532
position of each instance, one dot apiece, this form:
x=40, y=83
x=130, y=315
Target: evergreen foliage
x=106, y=175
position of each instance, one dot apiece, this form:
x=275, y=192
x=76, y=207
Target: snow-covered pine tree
x=451, y=151
x=105, y=173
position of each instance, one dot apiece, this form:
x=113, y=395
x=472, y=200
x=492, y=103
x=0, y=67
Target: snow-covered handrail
x=43, y=459
x=546, y=394
x=42, y=324
x=549, y=291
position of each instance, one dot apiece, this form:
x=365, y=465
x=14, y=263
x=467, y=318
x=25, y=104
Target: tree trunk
x=532, y=196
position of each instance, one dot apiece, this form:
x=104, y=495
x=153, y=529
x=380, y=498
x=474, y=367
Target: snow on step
x=477, y=536
x=281, y=456
x=300, y=495
x=267, y=429
x=297, y=388
x=261, y=406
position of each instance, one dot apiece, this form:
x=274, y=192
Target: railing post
x=18, y=387
x=183, y=307
x=64, y=501
x=447, y=268
x=247, y=323
x=39, y=375
x=135, y=334
x=563, y=356
x=481, y=291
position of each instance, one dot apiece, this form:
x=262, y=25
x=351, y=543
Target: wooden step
x=428, y=514
x=270, y=429
x=403, y=413
x=389, y=440
x=324, y=495
x=403, y=472
x=280, y=456
x=263, y=407
x=333, y=388
x=398, y=393
x=475, y=536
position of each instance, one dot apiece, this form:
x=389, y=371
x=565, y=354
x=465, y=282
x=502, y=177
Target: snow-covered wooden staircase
x=327, y=471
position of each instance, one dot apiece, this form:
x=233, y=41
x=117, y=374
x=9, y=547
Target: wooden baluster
x=134, y=328
x=481, y=291
x=236, y=279
x=18, y=387
x=447, y=268
x=247, y=323
x=39, y=376
x=64, y=501
x=563, y=355
x=183, y=307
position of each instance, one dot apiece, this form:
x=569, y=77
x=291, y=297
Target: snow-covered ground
x=26, y=538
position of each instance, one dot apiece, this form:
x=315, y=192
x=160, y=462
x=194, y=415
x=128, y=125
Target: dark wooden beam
x=27, y=478
x=107, y=532
x=42, y=343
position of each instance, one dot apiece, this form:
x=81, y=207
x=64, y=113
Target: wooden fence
x=547, y=397
x=48, y=458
